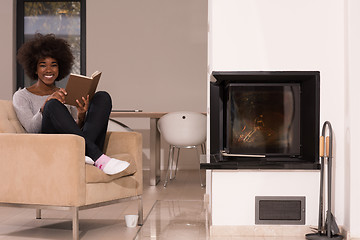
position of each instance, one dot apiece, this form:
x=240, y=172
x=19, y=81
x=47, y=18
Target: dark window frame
x=20, y=83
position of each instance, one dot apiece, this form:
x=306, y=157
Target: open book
x=79, y=86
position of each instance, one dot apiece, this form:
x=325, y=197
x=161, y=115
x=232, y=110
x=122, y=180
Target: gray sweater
x=27, y=107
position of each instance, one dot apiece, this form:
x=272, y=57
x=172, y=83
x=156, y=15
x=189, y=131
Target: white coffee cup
x=131, y=220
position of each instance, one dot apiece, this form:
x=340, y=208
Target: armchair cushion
x=95, y=175
x=8, y=119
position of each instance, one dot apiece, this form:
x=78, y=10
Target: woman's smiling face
x=47, y=70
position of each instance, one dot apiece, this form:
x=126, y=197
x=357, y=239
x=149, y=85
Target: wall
x=352, y=114
x=285, y=35
x=7, y=49
x=153, y=55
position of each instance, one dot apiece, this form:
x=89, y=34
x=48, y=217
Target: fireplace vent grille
x=282, y=210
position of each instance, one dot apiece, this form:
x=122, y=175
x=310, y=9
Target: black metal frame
x=20, y=35
x=309, y=131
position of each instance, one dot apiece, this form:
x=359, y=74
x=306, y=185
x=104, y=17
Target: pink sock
x=102, y=161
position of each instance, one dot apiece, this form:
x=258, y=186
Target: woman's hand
x=82, y=108
x=58, y=95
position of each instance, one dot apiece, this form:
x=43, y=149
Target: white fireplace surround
x=299, y=35
x=234, y=201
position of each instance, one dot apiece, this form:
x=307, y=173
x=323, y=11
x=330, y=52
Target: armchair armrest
x=130, y=143
x=44, y=169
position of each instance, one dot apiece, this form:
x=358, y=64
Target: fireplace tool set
x=327, y=229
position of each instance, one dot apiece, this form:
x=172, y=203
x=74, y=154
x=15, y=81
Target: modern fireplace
x=264, y=119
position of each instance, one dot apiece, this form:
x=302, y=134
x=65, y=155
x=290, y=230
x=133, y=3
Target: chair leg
x=203, y=148
x=198, y=155
x=172, y=162
x=169, y=165
x=38, y=213
x=75, y=223
x=140, y=212
x=177, y=161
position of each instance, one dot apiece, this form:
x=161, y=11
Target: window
x=65, y=19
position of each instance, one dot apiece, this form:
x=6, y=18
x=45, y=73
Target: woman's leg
x=57, y=119
x=97, y=118
x=95, y=128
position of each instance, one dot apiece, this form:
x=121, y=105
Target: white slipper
x=88, y=160
x=115, y=166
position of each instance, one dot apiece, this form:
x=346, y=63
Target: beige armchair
x=48, y=171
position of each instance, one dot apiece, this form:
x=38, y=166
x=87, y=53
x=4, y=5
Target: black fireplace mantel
x=258, y=164
x=307, y=155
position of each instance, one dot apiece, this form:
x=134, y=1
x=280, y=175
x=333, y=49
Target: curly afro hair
x=43, y=46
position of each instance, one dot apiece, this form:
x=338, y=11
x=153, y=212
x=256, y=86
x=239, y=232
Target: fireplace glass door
x=263, y=119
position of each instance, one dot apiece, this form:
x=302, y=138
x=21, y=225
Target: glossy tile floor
x=175, y=219
x=98, y=223
x=176, y=212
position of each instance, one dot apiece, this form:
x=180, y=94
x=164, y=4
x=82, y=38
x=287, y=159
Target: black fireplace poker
x=327, y=229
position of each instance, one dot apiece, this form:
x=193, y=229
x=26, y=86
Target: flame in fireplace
x=261, y=119
x=258, y=130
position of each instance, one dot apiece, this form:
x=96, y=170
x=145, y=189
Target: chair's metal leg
x=75, y=223
x=177, y=161
x=203, y=148
x=169, y=166
x=140, y=212
x=38, y=213
x=172, y=162
x=198, y=155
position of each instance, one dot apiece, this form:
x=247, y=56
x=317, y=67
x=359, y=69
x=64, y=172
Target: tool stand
x=330, y=229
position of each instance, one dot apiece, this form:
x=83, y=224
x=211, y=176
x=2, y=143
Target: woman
x=41, y=108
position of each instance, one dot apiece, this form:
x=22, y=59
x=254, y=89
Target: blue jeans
x=58, y=120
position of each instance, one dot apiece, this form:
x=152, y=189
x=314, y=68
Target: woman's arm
x=81, y=110
x=24, y=107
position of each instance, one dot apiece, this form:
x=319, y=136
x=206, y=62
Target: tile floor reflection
x=184, y=220
x=175, y=220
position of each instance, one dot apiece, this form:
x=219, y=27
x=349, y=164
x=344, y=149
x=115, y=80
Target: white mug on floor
x=131, y=220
